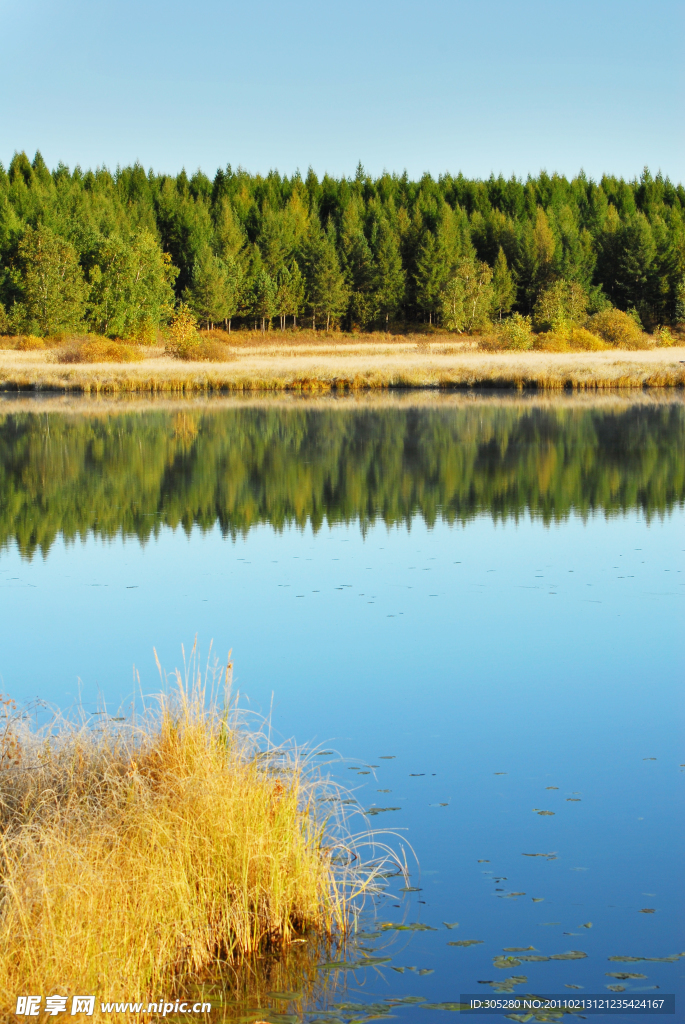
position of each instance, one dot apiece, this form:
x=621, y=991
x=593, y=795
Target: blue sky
x=441, y=85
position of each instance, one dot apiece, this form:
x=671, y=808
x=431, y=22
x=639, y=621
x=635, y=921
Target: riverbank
x=349, y=366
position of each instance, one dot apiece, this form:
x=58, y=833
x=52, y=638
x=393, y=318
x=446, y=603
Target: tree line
x=116, y=253
x=130, y=474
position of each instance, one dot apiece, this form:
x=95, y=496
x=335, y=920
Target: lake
x=476, y=601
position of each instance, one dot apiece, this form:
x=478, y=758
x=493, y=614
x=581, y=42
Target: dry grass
x=354, y=365
x=319, y=362
x=141, y=859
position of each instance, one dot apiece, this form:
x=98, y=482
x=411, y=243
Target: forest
x=119, y=253
x=131, y=473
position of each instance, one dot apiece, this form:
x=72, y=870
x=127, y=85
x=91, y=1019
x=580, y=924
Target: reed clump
x=145, y=856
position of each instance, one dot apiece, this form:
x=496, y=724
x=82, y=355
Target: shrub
x=664, y=338
x=29, y=343
x=98, y=350
x=202, y=350
x=618, y=329
x=516, y=332
x=564, y=303
x=583, y=340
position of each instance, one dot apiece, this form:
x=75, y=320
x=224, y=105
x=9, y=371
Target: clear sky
x=438, y=85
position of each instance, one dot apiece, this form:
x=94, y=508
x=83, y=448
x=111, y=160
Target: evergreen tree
x=389, y=278
x=290, y=294
x=431, y=275
x=326, y=291
x=503, y=286
x=209, y=292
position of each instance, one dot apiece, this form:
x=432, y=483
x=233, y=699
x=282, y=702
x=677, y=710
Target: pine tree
x=431, y=274
x=503, y=286
x=208, y=295
x=327, y=294
x=290, y=294
x=389, y=277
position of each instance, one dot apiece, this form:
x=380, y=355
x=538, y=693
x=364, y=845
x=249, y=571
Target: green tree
x=389, y=277
x=130, y=291
x=209, y=292
x=431, y=274
x=290, y=294
x=50, y=283
x=562, y=304
x=327, y=293
x=264, y=301
x=503, y=285
x=466, y=299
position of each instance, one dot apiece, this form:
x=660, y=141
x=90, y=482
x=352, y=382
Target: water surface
x=477, y=601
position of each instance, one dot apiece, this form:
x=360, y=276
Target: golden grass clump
x=570, y=338
x=138, y=858
x=96, y=349
x=29, y=343
x=202, y=350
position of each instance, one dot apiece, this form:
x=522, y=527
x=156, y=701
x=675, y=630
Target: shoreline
x=350, y=370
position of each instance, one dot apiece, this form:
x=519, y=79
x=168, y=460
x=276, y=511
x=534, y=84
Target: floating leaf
x=410, y=888
x=445, y=1006
x=551, y=787
x=647, y=910
x=380, y=810
x=387, y=757
x=467, y=942
x=338, y=965
x=588, y=924
x=483, y=861
x=573, y=800
x=371, y=961
x=538, y=899
x=500, y=773
x=506, y=961
x=647, y=959
x=573, y=986
x=324, y=753
x=544, y=814
x=426, y=970
x=416, y=927
x=416, y=775
x=616, y=988
x=623, y=976
x=517, y=949
x=507, y=985
x=452, y=924
x=573, y=954
x=400, y=970
x=536, y=958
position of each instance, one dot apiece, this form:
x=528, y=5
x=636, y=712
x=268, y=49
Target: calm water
x=488, y=590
